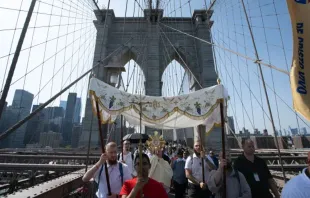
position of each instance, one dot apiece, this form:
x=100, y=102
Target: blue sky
x=229, y=30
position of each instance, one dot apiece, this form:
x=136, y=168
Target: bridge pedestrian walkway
x=58, y=187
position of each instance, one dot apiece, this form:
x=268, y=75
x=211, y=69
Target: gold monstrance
x=156, y=142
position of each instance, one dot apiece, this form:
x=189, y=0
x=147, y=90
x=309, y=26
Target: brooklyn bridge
x=52, y=49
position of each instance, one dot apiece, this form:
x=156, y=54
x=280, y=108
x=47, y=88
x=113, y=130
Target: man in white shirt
x=127, y=157
x=118, y=173
x=197, y=188
x=298, y=187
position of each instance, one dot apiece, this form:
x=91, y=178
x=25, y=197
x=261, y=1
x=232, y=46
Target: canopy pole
x=140, y=144
x=200, y=129
x=223, y=145
x=122, y=138
x=102, y=147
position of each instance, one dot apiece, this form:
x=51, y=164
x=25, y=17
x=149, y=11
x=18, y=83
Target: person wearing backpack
x=128, y=157
x=117, y=171
x=179, y=177
x=236, y=184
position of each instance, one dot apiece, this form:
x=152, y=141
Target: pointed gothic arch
x=184, y=59
x=133, y=79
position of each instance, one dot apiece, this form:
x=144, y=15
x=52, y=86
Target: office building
x=76, y=133
x=63, y=104
x=51, y=139
x=68, y=122
x=231, y=124
x=77, y=111
x=34, y=127
x=21, y=107
x=3, y=119
x=58, y=112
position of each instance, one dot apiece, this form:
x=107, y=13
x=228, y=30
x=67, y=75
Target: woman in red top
x=150, y=188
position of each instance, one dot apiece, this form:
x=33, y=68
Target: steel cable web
x=232, y=10
x=260, y=41
x=63, y=19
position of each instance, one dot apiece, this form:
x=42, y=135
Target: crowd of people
x=195, y=174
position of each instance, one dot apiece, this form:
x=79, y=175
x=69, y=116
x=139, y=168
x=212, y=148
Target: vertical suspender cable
x=265, y=90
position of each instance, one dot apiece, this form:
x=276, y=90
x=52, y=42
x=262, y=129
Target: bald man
x=118, y=173
x=298, y=187
x=256, y=172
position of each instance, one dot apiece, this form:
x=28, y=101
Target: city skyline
x=50, y=119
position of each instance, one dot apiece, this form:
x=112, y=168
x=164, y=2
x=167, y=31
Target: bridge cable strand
x=247, y=68
x=238, y=71
x=269, y=60
x=27, y=66
x=88, y=38
x=11, y=45
x=201, y=77
x=42, y=106
x=181, y=58
x=284, y=52
x=245, y=61
x=36, y=67
x=265, y=90
x=229, y=50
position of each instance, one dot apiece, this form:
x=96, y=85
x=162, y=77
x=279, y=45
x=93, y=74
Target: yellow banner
x=300, y=71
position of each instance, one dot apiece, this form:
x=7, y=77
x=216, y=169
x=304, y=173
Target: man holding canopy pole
x=194, y=167
x=117, y=171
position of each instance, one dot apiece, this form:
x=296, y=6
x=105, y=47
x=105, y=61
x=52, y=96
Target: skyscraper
x=68, y=122
x=35, y=126
x=21, y=106
x=3, y=120
x=63, y=104
x=58, y=112
x=71, y=102
x=231, y=124
x=77, y=111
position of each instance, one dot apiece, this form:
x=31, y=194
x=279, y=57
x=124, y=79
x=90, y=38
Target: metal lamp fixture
x=113, y=71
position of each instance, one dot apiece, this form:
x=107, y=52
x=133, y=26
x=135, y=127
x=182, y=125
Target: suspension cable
x=265, y=90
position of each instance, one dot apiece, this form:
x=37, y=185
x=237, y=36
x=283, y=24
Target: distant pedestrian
x=214, y=158
x=179, y=177
x=128, y=157
x=299, y=186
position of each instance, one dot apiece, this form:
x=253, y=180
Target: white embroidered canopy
x=189, y=110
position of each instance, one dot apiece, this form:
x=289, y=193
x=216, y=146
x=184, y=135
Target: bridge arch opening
x=175, y=80
x=132, y=80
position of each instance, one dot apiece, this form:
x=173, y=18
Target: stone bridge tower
x=150, y=48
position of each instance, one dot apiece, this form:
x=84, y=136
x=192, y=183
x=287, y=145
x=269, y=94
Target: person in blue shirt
x=179, y=177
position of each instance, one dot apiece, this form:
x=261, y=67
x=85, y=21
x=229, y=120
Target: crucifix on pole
x=140, y=141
